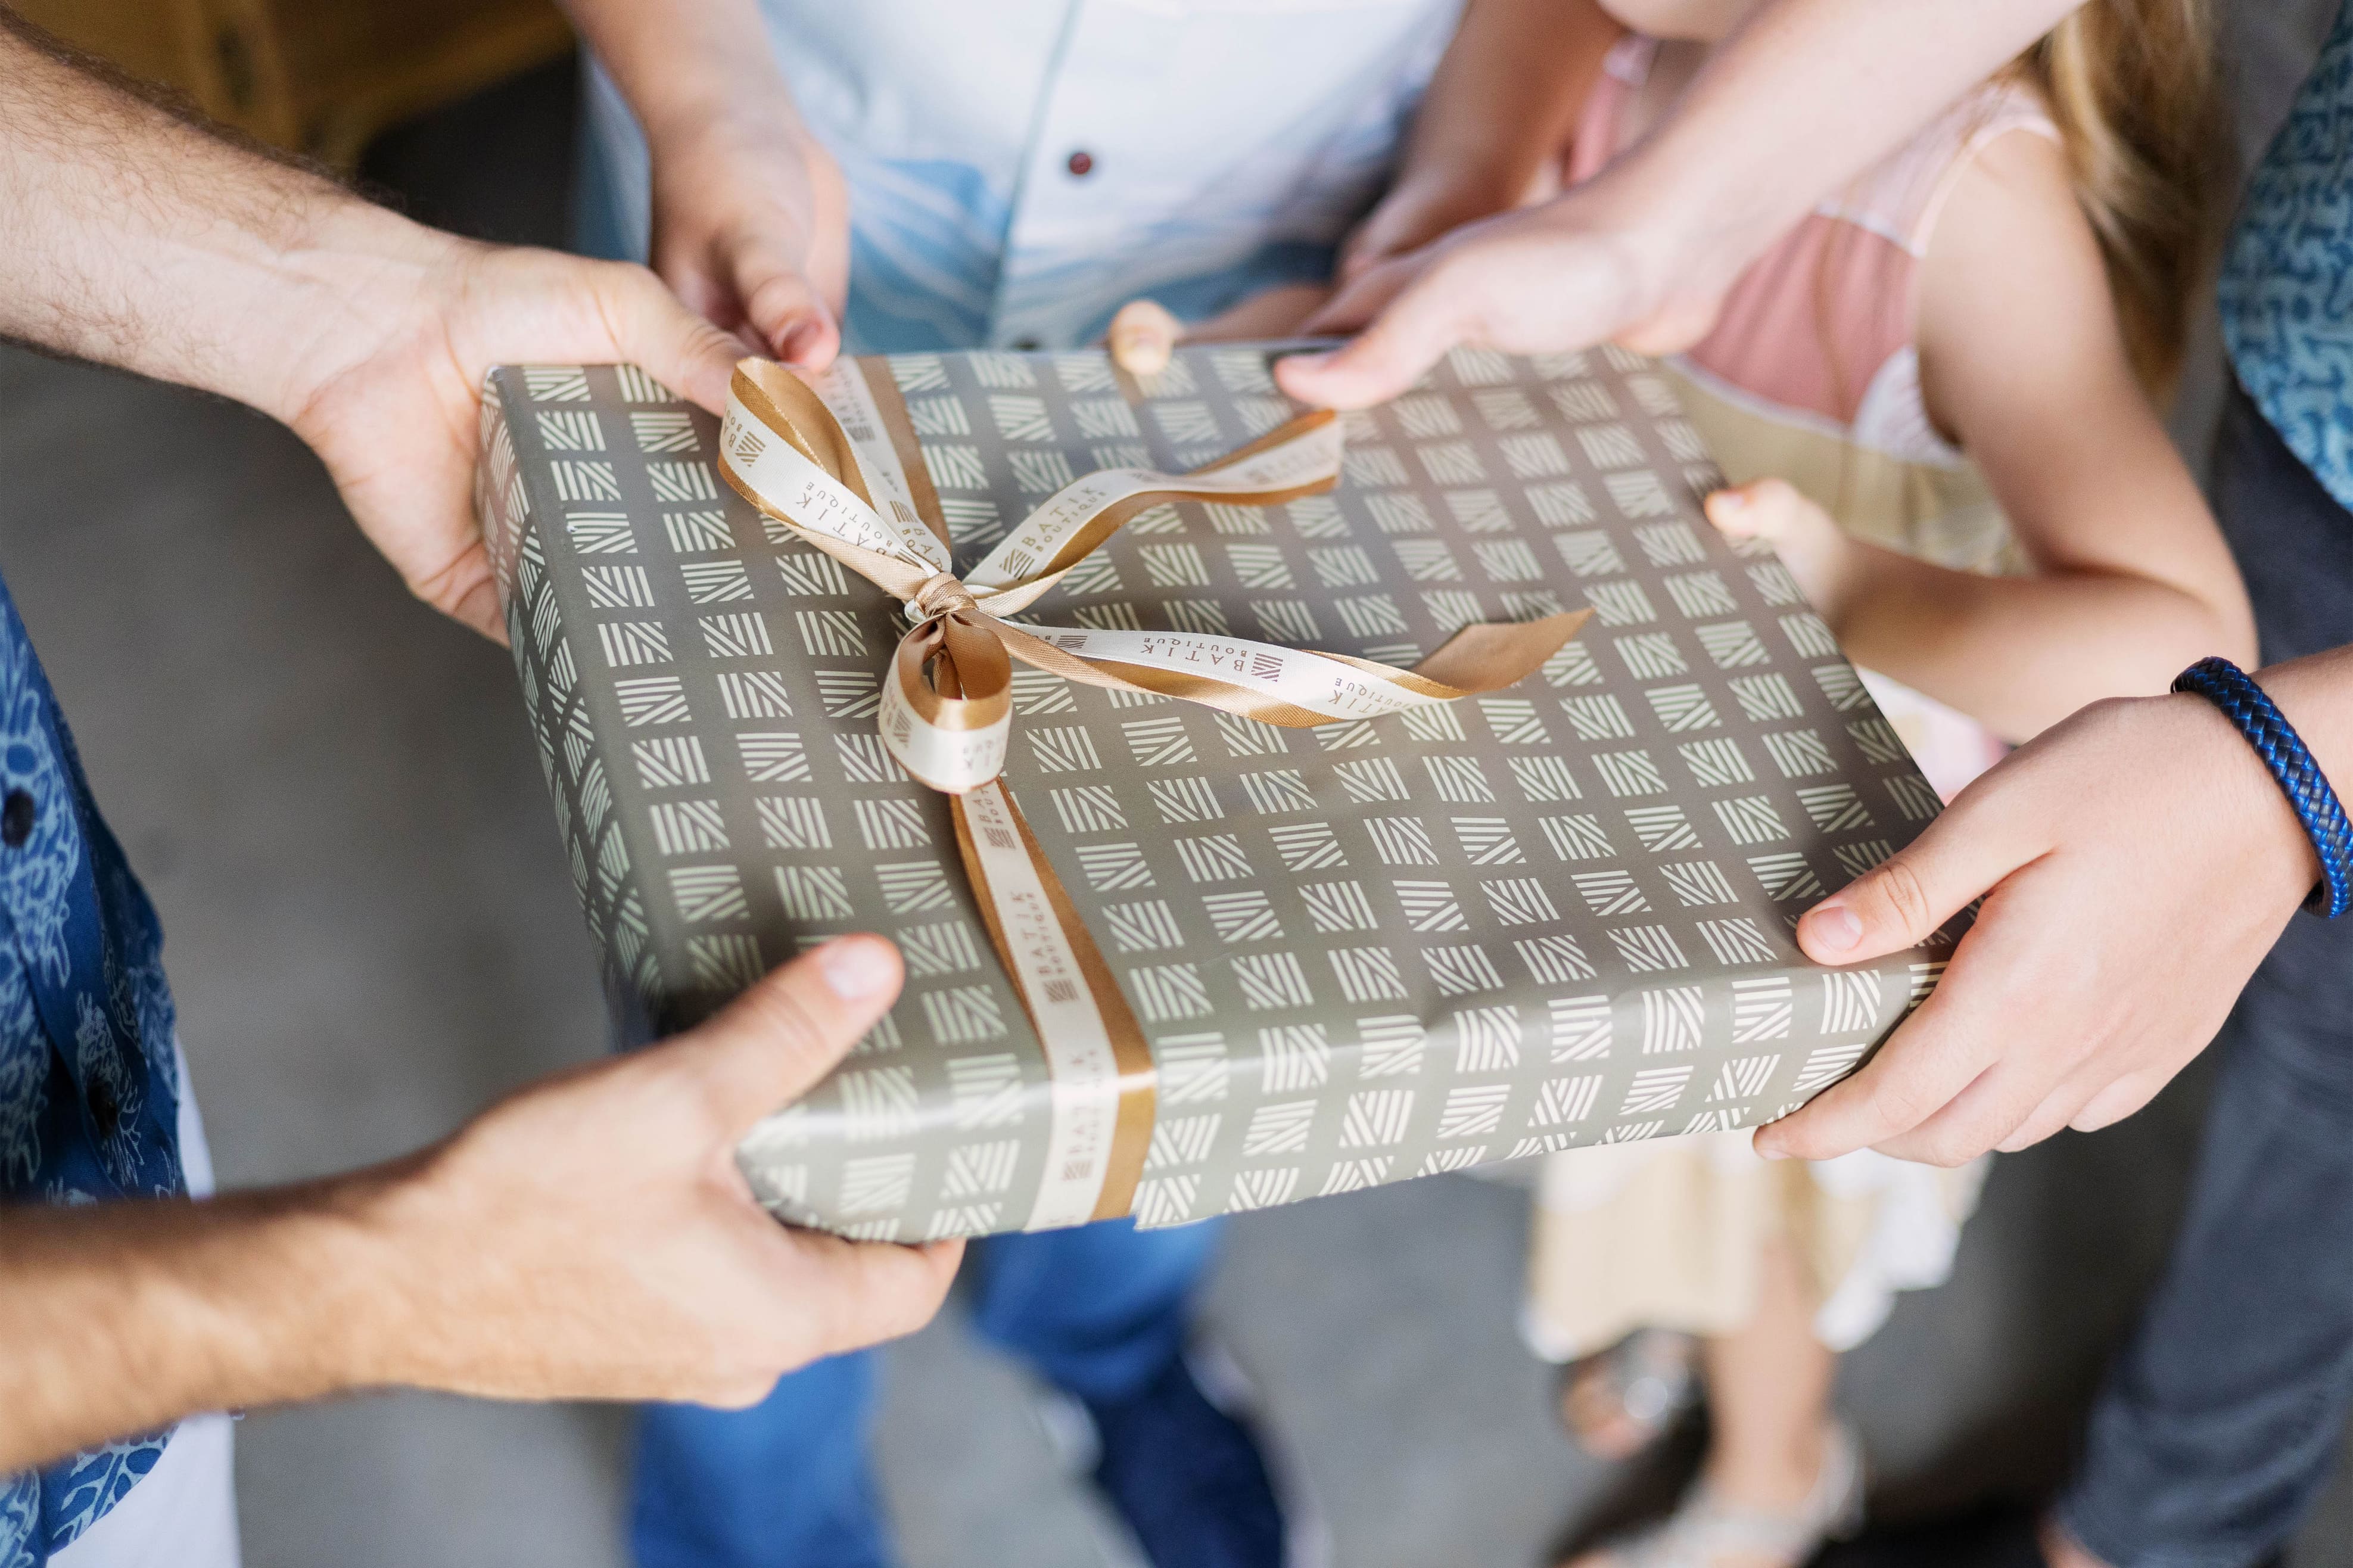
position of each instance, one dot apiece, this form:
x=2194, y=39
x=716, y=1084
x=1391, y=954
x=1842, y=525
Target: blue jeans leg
x=1099, y=1309
x=789, y=1483
x=786, y=1483
x=2220, y=1421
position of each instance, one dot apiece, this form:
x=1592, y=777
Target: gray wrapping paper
x=1553, y=916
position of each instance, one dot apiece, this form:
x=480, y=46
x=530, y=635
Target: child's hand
x=751, y=227
x=1819, y=553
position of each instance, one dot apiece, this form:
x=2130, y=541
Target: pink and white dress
x=1812, y=374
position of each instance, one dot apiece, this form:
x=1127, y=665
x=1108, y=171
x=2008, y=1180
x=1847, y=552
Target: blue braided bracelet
x=2251, y=708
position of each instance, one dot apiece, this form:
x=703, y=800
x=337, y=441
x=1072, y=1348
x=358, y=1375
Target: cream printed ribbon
x=836, y=461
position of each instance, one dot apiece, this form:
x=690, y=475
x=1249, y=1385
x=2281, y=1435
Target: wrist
x=356, y=280
x=2246, y=802
x=304, y=1292
x=2271, y=739
x=1471, y=173
x=1677, y=238
x=725, y=115
x=398, y=1229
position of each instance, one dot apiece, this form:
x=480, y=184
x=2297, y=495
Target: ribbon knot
x=836, y=462
x=941, y=593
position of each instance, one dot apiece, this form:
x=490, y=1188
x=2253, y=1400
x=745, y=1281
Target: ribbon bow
x=837, y=463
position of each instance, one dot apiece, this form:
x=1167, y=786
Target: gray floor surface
x=331, y=795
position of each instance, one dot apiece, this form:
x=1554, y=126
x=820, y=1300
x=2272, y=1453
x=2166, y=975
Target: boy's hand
x=751, y=225
x=1822, y=557
x=2136, y=863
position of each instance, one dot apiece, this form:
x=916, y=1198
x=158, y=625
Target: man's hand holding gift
x=589, y=1236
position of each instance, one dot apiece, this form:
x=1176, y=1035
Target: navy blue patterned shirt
x=89, y=1081
x=2287, y=279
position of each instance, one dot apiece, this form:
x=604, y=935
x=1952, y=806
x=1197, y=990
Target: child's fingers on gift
x=1392, y=229
x=773, y=1044
x=1763, y=508
x=1143, y=337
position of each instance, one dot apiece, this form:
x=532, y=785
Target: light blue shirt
x=1018, y=169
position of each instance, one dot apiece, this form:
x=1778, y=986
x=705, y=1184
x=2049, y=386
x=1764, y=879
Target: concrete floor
x=331, y=796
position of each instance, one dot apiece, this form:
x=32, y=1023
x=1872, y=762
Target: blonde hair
x=2134, y=88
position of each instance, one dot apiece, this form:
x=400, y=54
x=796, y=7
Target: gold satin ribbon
x=839, y=465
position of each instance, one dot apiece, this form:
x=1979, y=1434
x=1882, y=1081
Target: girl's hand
x=751, y=227
x=1827, y=562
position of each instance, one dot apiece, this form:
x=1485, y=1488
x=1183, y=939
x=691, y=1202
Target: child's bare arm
x=1496, y=113
x=2022, y=361
x=751, y=220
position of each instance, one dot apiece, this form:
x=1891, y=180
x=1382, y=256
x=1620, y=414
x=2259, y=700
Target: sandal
x=1705, y=1529
x=1617, y=1403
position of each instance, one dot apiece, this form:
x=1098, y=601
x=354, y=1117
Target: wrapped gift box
x=1553, y=915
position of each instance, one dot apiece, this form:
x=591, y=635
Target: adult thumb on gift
x=1413, y=320
x=774, y=1042
x=653, y=330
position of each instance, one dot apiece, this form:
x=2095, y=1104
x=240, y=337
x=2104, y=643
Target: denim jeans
x=1098, y=1311
x=2220, y=1421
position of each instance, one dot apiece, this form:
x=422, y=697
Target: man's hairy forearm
x=137, y=239
x=1806, y=95
x=122, y=1318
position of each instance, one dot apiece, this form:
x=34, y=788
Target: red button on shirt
x=1081, y=165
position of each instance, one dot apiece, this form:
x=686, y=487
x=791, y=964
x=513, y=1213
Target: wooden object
x=316, y=77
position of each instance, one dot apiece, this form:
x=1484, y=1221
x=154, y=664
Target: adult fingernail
x=1834, y=926
x=1771, y=1154
x=856, y=969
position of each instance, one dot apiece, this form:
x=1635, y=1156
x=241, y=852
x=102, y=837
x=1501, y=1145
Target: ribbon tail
x=1490, y=655
x=1098, y=1067
x=1295, y=688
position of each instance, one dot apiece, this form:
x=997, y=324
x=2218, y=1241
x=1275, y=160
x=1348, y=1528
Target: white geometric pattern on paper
x=1553, y=916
